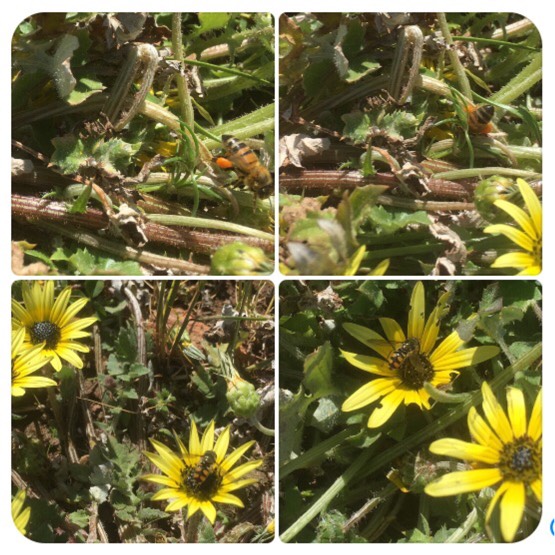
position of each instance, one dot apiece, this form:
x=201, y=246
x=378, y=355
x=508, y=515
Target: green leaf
x=326, y=416
x=211, y=21
x=147, y=514
x=69, y=153
x=206, y=532
x=360, y=202
x=388, y=223
x=42, y=257
x=79, y=518
x=57, y=66
x=360, y=67
x=316, y=75
x=84, y=88
x=292, y=411
x=318, y=372
x=400, y=125
x=126, y=344
x=137, y=370
x=357, y=126
x=372, y=291
x=80, y=204
x=114, y=155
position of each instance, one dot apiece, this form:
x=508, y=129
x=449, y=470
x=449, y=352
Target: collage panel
x=143, y=143
x=410, y=411
x=410, y=144
x=143, y=411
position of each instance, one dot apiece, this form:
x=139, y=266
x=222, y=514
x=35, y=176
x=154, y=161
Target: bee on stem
x=479, y=118
x=246, y=164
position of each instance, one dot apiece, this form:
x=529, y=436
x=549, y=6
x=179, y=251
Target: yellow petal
x=496, y=416
x=233, y=457
x=449, y=345
x=242, y=470
x=209, y=511
x=393, y=331
x=536, y=487
x=481, y=432
x=516, y=410
x=464, y=358
x=417, y=312
x=373, y=365
x=369, y=393
x=515, y=235
x=532, y=203
x=464, y=451
x=512, y=508
x=57, y=313
x=222, y=444
x=519, y=216
x=228, y=498
x=355, y=261
x=238, y=484
x=464, y=481
x=431, y=330
x=518, y=260
x=159, y=479
x=194, y=442
x=207, y=443
x=389, y=405
x=369, y=338
x=535, y=424
x=381, y=268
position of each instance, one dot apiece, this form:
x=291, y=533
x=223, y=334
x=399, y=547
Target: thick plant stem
x=320, y=504
x=185, y=103
x=455, y=62
x=191, y=528
x=520, y=83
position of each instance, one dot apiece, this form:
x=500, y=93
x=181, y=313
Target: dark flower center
x=203, y=480
x=45, y=331
x=520, y=460
x=537, y=250
x=412, y=366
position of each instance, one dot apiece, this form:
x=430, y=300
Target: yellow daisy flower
x=507, y=451
x=529, y=239
x=52, y=322
x=409, y=361
x=201, y=475
x=20, y=515
x=25, y=363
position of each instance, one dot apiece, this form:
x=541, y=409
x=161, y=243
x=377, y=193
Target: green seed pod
x=242, y=397
x=490, y=190
x=239, y=259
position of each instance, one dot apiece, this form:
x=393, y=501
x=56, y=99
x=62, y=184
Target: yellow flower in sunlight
x=409, y=361
x=528, y=238
x=201, y=475
x=25, y=363
x=52, y=322
x=507, y=451
x=20, y=515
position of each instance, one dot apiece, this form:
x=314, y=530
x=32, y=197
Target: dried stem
x=38, y=211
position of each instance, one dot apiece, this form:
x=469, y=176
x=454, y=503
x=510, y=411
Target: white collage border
x=540, y=12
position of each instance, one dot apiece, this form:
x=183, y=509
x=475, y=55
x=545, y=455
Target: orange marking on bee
x=224, y=163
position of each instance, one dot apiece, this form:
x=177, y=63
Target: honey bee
x=204, y=476
x=245, y=162
x=479, y=118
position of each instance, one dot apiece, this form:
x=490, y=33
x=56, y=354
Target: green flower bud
x=239, y=259
x=242, y=397
x=490, y=190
